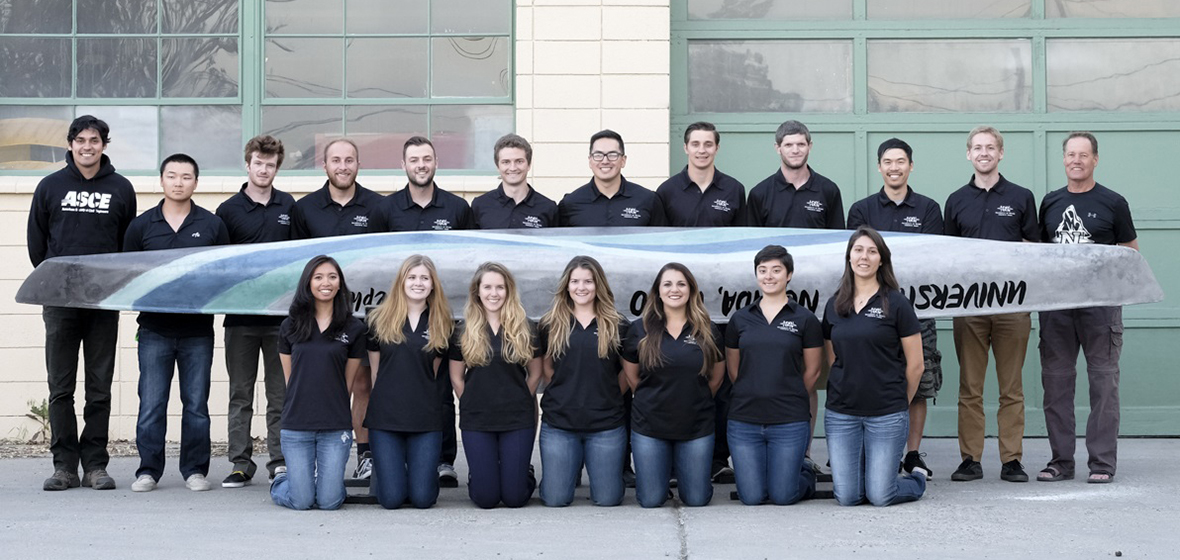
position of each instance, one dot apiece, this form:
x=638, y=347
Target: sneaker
x=281, y=469
x=61, y=480
x=920, y=472
x=364, y=466
x=969, y=469
x=98, y=479
x=447, y=477
x=1013, y=471
x=723, y=475
x=236, y=479
x=628, y=477
x=145, y=483
x=197, y=483
x=912, y=460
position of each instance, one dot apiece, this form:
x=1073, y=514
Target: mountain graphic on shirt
x=1071, y=230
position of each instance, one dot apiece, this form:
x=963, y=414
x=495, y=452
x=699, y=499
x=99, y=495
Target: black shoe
x=628, y=477
x=236, y=479
x=914, y=459
x=447, y=478
x=969, y=469
x=98, y=479
x=61, y=480
x=1013, y=471
x=723, y=475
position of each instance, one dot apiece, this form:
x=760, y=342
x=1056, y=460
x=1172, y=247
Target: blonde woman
x=408, y=336
x=495, y=369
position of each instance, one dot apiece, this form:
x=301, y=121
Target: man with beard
x=795, y=195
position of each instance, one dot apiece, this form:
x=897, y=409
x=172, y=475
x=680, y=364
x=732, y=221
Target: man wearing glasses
x=609, y=199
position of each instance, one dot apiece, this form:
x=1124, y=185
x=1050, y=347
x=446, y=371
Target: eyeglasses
x=608, y=156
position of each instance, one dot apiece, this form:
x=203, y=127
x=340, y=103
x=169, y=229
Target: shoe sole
x=1014, y=478
x=234, y=484
x=448, y=482
x=966, y=477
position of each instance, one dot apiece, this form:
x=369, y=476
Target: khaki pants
x=1007, y=336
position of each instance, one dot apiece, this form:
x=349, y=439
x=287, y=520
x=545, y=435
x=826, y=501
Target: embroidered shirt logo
x=1005, y=211
x=426, y=334
x=721, y=206
x=788, y=326
x=689, y=339
x=441, y=224
x=342, y=338
x=814, y=206
x=875, y=313
x=532, y=222
x=360, y=221
x=631, y=214
x=196, y=234
x=91, y=203
x=911, y=222
x=284, y=219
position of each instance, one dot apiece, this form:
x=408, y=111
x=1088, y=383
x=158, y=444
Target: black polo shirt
x=317, y=215
x=868, y=377
x=915, y=214
x=446, y=211
x=150, y=232
x=496, y=210
x=672, y=401
x=405, y=396
x=1098, y=215
x=633, y=205
x=722, y=203
x=250, y=222
x=496, y=397
x=584, y=392
x=776, y=203
x=317, y=392
x=1005, y=212
x=769, y=388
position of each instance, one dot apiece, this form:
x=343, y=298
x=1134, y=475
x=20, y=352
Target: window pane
x=770, y=9
x=470, y=67
x=470, y=16
x=941, y=9
x=301, y=129
x=34, y=67
x=121, y=16
x=200, y=16
x=464, y=135
x=387, y=16
x=304, y=16
x=35, y=16
x=1112, y=8
x=380, y=131
x=117, y=67
x=134, y=134
x=303, y=67
x=387, y=67
x=1113, y=74
x=945, y=76
x=33, y=137
x=216, y=129
x=200, y=67
x=763, y=76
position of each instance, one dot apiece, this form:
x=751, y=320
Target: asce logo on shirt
x=875, y=313
x=83, y=201
x=1005, y=211
x=532, y=222
x=814, y=206
x=441, y=224
x=788, y=326
x=721, y=206
x=284, y=219
x=342, y=338
x=360, y=221
x=911, y=222
x=631, y=214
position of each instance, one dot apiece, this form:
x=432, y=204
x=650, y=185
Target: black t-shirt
x=496, y=397
x=1005, y=212
x=769, y=388
x=150, y=232
x=672, y=401
x=1098, y=215
x=632, y=205
x=317, y=215
x=496, y=210
x=776, y=203
x=250, y=222
x=868, y=378
x=404, y=398
x=446, y=211
x=584, y=392
x=722, y=203
x=915, y=214
x=317, y=392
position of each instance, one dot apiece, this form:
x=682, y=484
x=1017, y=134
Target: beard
x=413, y=180
x=335, y=182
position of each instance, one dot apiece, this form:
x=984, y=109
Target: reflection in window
x=1113, y=74
x=123, y=67
x=948, y=75
x=303, y=67
x=134, y=130
x=464, y=135
x=200, y=67
x=1111, y=8
x=942, y=9
x=34, y=67
x=212, y=134
x=770, y=9
x=764, y=76
x=35, y=16
x=33, y=136
x=470, y=67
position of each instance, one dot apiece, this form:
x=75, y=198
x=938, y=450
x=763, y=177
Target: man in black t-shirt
x=700, y=195
x=609, y=199
x=514, y=204
x=1083, y=211
x=795, y=195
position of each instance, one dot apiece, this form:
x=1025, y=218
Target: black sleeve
x=905, y=317
x=835, y=210
x=754, y=210
x=1124, y=226
x=133, y=239
x=38, y=232
x=631, y=342
x=740, y=219
x=455, y=352
x=855, y=216
x=222, y=234
x=658, y=216
x=357, y=347
x=129, y=213
x=1030, y=229
x=377, y=221
x=1044, y=227
x=466, y=217
x=813, y=332
x=950, y=226
x=932, y=223
x=563, y=213
x=284, y=337
x=732, y=336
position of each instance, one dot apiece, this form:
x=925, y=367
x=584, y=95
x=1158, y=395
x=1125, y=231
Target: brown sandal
x=1054, y=474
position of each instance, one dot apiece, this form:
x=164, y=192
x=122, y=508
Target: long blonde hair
x=517, y=339
x=388, y=319
x=655, y=321
x=559, y=319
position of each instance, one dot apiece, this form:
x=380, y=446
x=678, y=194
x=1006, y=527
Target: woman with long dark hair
x=873, y=342
x=673, y=363
x=495, y=369
x=320, y=347
x=583, y=403
x=409, y=333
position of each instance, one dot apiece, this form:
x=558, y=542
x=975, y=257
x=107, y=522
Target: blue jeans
x=562, y=455
x=315, y=469
x=498, y=466
x=159, y=356
x=405, y=465
x=768, y=462
x=865, y=452
x=654, y=458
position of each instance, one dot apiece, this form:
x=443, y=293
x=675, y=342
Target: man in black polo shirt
x=609, y=199
x=514, y=204
x=898, y=208
x=81, y=209
x=258, y=213
x=795, y=195
x=171, y=342
x=700, y=195
x=991, y=207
